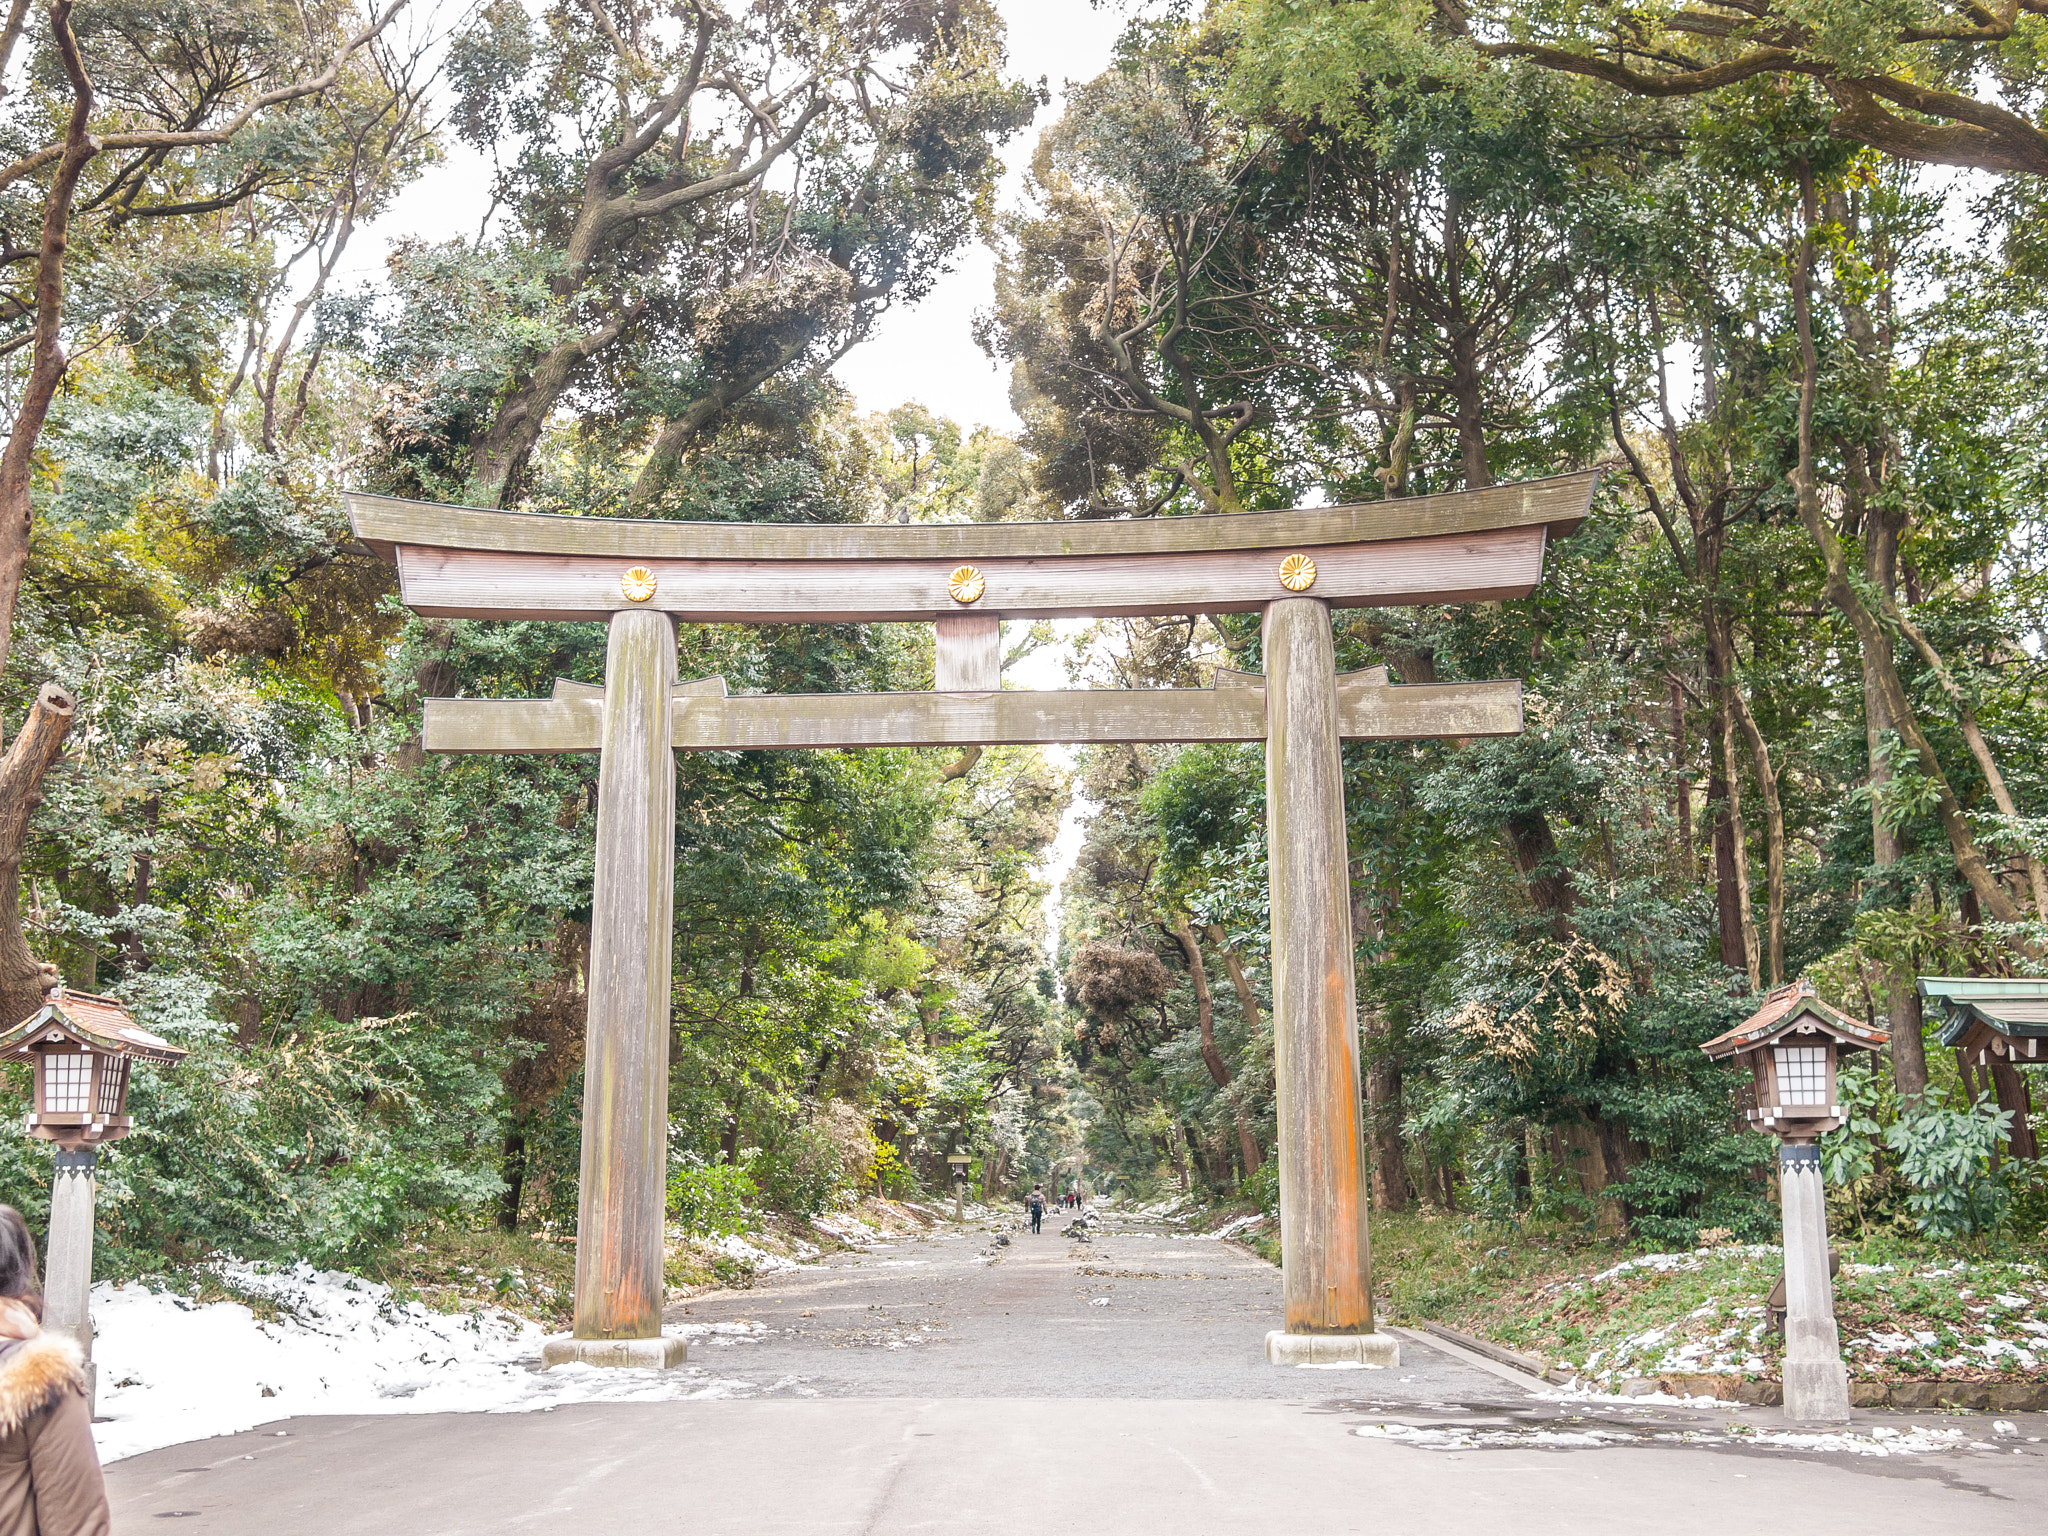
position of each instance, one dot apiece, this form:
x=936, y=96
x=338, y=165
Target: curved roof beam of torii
x=1466, y=546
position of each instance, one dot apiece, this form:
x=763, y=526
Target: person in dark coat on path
x=50, y=1481
x=1037, y=1204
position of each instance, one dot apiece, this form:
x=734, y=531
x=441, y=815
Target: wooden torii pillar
x=1293, y=567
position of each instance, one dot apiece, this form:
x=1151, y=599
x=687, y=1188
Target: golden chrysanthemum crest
x=1297, y=573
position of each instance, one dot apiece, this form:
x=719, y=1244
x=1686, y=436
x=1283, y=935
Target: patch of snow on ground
x=1229, y=1229
x=172, y=1370
x=1669, y=1263
x=849, y=1229
x=760, y=1259
x=1917, y=1440
x=1164, y=1209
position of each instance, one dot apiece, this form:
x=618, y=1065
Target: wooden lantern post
x=1291, y=566
x=81, y=1046
x=1794, y=1045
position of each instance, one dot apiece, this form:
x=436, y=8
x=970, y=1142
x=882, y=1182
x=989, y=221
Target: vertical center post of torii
x=620, y=1207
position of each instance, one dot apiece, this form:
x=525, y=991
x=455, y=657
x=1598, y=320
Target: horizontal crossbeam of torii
x=640, y=577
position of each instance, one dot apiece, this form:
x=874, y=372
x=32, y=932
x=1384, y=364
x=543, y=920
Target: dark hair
x=18, y=1262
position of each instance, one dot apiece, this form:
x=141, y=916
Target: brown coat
x=49, y=1472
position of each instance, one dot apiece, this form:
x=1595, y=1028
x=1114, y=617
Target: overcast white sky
x=926, y=353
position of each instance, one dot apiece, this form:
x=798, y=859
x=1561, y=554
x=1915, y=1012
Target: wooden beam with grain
x=1487, y=565
x=385, y=523
x=706, y=720
x=1325, y=1249
x=620, y=1229
x=967, y=653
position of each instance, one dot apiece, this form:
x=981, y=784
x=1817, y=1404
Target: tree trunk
x=1205, y=1014
x=248, y=1021
x=1738, y=840
x=23, y=981
x=500, y=456
x=1727, y=891
x=1973, y=735
x=1468, y=385
x=1384, y=1113
x=48, y=361
x=1843, y=591
x=1536, y=856
x=2010, y=1084
x=1774, y=824
x=683, y=429
x=512, y=1167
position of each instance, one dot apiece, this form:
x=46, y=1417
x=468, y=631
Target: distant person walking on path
x=49, y=1472
x=1037, y=1203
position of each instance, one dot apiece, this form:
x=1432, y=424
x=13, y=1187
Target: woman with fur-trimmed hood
x=50, y=1481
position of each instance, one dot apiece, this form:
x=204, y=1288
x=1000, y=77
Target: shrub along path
x=947, y=1384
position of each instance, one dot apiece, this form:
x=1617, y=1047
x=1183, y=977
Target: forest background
x=1776, y=269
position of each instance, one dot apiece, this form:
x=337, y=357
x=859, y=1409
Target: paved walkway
x=945, y=1385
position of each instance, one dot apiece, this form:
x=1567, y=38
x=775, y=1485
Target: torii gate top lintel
x=1466, y=546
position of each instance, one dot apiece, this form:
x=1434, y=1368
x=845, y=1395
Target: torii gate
x=640, y=577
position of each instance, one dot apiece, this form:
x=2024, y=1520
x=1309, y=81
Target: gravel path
x=945, y=1384
x=1138, y=1311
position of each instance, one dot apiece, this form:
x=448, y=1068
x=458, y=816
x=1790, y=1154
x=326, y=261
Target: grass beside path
x=1612, y=1311
x=1908, y=1310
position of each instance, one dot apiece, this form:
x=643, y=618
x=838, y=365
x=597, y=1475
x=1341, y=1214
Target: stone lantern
x=81, y=1047
x=1794, y=1044
x=957, y=1162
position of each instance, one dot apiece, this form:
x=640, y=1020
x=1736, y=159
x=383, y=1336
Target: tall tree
x=168, y=114
x=735, y=194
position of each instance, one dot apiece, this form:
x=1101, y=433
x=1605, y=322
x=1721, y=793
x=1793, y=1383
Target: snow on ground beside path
x=760, y=1260
x=1228, y=1230
x=1913, y=1440
x=172, y=1370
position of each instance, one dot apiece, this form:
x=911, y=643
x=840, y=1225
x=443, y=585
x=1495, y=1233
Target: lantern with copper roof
x=82, y=1046
x=1794, y=1044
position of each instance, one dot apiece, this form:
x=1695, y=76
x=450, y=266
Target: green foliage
x=710, y=1199
x=1848, y=1154
x=804, y=1174
x=1262, y=1188
x=1946, y=1156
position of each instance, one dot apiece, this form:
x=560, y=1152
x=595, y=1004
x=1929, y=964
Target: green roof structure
x=2010, y=1006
